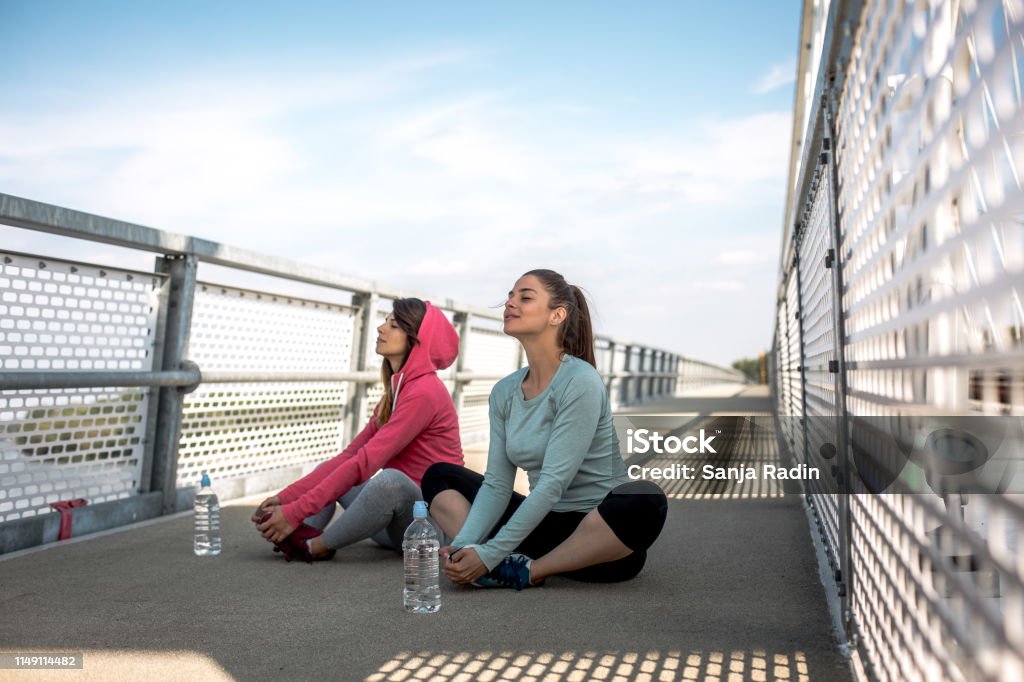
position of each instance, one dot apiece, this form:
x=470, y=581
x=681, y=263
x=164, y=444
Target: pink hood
x=437, y=349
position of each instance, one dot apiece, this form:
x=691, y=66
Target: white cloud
x=719, y=162
x=778, y=76
x=720, y=285
x=744, y=257
x=454, y=196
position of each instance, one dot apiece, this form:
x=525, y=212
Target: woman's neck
x=543, y=360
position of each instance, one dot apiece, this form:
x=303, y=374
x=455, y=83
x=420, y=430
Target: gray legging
x=380, y=509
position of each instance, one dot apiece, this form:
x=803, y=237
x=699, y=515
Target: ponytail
x=576, y=336
x=578, y=339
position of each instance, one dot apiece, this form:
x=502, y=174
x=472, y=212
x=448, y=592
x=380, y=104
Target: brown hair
x=576, y=335
x=408, y=314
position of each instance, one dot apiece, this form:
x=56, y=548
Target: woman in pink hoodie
x=413, y=427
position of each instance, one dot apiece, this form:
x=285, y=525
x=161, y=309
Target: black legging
x=635, y=511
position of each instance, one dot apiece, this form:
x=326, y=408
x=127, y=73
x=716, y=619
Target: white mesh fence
x=234, y=429
x=927, y=145
x=63, y=444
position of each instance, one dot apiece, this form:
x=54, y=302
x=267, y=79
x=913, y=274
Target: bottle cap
x=419, y=510
x=205, y=483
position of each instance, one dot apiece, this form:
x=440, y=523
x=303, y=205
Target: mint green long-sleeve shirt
x=563, y=438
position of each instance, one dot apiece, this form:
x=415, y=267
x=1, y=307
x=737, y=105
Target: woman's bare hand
x=464, y=567
x=276, y=528
x=264, y=508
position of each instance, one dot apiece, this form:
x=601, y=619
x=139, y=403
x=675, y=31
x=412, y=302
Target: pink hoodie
x=423, y=428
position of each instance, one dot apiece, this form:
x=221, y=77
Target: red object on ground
x=294, y=546
x=65, y=507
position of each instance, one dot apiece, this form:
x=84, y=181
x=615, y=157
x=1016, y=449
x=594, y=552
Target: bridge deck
x=731, y=591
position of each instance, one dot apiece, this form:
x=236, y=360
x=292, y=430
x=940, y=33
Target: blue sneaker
x=513, y=571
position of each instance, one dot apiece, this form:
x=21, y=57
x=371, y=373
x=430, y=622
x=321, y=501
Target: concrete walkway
x=730, y=592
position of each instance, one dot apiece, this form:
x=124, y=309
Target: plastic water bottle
x=207, y=536
x=422, y=593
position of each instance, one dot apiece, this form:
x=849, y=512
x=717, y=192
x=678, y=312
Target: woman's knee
x=446, y=501
x=643, y=498
x=641, y=487
x=394, y=481
x=391, y=477
x=436, y=477
x=636, y=513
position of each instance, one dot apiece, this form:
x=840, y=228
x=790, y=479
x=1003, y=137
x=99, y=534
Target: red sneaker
x=295, y=546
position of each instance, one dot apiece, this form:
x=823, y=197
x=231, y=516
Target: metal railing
x=120, y=386
x=898, y=364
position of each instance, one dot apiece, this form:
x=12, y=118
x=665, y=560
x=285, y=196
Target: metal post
x=674, y=381
x=659, y=366
x=181, y=272
x=610, y=381
x=153, y=392
x=653, y=357
x=799, y=315
x=462, y=324
x=653, y=363
x=652, y=366
x=663, y=368
x=666, y=385
x=656, y=363
x=365, y=329
x=627, y=382
x=638, y=385
x=681, y=377
x=845, y=578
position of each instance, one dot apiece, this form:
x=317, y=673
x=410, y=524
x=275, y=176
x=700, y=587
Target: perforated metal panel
x=236, y=429
x=930, y=143
x=931, y=210
x=63, y=315
x=928, y=153
x=73, y=443
x=236, y=329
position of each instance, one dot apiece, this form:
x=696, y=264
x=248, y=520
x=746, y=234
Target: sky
x=641, y=149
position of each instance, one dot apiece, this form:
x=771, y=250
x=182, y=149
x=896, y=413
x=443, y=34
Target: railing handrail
x=41, y=217
x=193, y=376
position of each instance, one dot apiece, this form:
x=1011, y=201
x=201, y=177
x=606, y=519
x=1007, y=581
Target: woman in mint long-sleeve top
x=583, y=518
